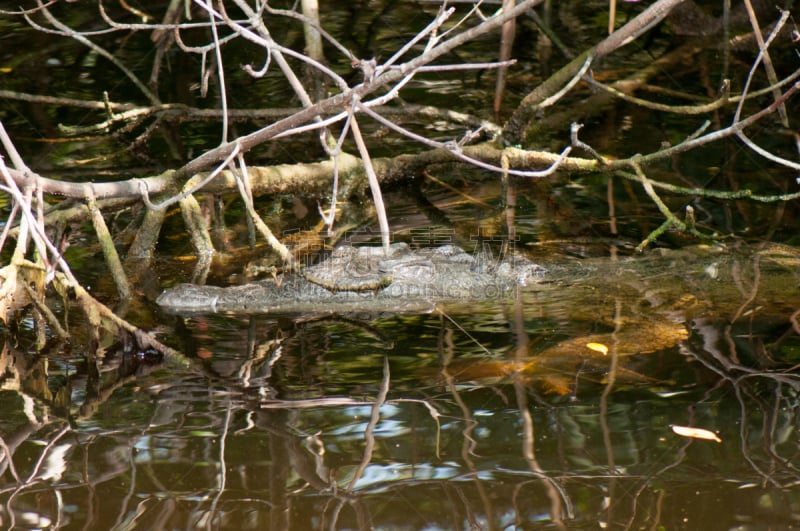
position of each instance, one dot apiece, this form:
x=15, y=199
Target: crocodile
x=366, y=279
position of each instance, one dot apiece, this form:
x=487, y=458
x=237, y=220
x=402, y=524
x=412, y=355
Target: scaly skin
x=357, y=279
x=362, y=279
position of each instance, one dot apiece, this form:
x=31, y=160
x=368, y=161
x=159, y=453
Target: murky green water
x=402, y=422
x=487, y=415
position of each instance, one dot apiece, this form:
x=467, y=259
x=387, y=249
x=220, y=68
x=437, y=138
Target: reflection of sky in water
x=386, y=475
x=386, y=426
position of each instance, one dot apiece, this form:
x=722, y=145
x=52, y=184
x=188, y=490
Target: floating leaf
x=598, y=347
x=696, y=433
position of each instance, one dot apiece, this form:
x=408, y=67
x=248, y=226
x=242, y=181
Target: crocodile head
x=521, y=271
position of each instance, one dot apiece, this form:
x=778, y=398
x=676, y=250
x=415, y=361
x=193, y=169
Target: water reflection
x=490, y=417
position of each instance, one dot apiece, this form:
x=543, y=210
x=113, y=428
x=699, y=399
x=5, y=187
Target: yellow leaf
x=696, y=433
x=598, y=347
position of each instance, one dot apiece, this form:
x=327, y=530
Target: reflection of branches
x=375, y=416
x=560, y=503
x=369, y=445
x=7, y=461
x=211, y=518
x=49, y=466
x=469, y=444
x=680, y=455
x=719, y=355
x=613, y=352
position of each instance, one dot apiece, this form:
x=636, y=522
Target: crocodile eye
x=359, y=268
x=534, y=273
x=420, y=272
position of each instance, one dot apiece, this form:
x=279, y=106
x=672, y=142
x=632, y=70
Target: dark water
x=488, y=415
x=484, y=415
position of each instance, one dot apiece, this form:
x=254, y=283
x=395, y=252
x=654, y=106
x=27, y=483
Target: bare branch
x=457, y=152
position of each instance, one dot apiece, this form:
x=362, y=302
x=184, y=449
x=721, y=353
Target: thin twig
x=762, y=52
x=718, y=103
x=455, y=149
x=732, y=129
x=547, y=102
x=144, y=190
x=374, y=185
